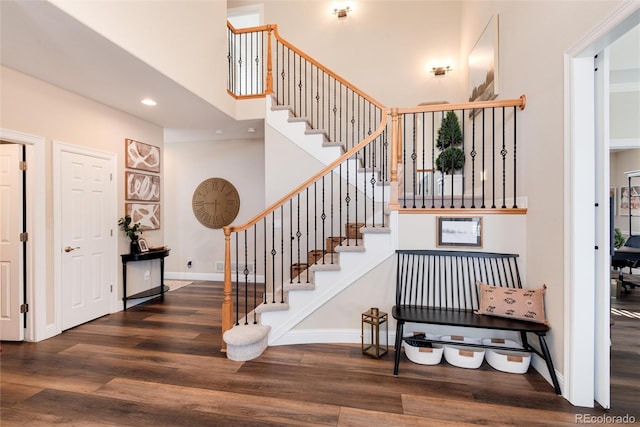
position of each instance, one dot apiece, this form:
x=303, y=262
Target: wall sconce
x=441, y=71
x=342, y=12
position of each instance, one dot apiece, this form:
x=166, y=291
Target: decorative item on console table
x=132, y=231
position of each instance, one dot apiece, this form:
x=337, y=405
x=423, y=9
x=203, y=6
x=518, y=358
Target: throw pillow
x=522, y=304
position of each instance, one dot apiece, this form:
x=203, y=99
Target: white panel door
x=85, y=238
x=11, y=262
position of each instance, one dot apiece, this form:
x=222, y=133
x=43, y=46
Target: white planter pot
x=444, y=182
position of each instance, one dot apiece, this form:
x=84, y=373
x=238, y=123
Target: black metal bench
x=439, y=288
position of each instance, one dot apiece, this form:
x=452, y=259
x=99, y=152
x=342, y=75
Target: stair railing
x=327, y=210
x=457, y=156
x=249, y=69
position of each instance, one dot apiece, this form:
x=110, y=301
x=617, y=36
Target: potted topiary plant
x=451, y=157
x=132, y=231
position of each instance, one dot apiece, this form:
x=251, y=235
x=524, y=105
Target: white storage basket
x=423, y=355
x=500, y=342
x=459, y=338
x=515, y=362
x=464, y=357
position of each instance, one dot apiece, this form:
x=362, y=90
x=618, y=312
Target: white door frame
x=37, y=328
x=58, y=148
x=579, y=220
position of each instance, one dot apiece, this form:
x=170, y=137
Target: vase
x=135, y=248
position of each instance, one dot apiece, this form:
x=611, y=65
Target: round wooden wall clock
x=215, y=202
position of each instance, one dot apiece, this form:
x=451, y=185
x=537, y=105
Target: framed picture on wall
x=484, y=64
x=460, y=231
x=147, y=214
x=141, y=186
x=629, y=200
x=141, y=156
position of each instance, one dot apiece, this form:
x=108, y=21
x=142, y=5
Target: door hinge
x=110, y=288
x=111, y=232
x=24, y=237
x=22, y=165
x=24, y=308
x=110, y=176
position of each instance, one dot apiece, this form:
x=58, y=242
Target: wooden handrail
x=325, y=69
x=519, y=102
x=235, y=30
x=235, y=228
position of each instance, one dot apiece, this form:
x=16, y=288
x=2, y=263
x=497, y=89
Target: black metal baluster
x=484, y=169
x=433, y=159
x=291, y=241
x=503, y=153
x=493, y=158
x=464, y=153
x=281, y=254
x=515, y=204
x=404, y=160
x=274, y=252
x=298, y=235
x=246, y=281
x=473, y=160
x=255, y=269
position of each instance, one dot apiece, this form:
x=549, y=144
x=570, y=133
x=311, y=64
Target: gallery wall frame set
x=142, y=183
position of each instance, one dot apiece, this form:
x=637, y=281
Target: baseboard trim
x=216, y=277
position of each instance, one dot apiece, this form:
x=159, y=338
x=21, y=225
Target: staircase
x=325, y=271
x=326, y=233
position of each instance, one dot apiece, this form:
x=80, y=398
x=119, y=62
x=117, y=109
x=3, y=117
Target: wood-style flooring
x=159, y=364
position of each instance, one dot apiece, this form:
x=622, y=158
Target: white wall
x=186, y=165
x=185, y=40
x=31, y=106
x=385, y=48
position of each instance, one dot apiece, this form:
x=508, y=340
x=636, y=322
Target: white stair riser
x=329, y=283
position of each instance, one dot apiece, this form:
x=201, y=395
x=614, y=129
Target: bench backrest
x=447, y=279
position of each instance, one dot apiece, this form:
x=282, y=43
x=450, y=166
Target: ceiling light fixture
x=150, y=102
x=251, y=130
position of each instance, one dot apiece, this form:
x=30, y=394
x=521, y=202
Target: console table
x=144, y=256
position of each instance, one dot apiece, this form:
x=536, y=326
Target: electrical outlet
x=147, y=275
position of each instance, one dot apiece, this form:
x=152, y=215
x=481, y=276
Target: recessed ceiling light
x=219, y=131
x=251, y=130
x=149, y=101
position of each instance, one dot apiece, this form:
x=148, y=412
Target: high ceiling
x=40, y=40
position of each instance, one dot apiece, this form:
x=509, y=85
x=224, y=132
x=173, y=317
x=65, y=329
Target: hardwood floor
x=159, y=364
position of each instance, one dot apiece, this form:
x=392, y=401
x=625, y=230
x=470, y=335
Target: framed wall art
x=629, y=200
x=141, y=186
x=459, y=231
x=484, y=64
x=141, y=156
x=147, y=214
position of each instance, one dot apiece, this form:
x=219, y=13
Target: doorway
x=586, y=161
x=37, y=325
x=85, y=245
x=13, y=240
